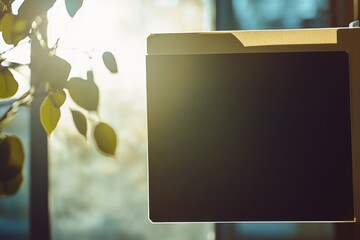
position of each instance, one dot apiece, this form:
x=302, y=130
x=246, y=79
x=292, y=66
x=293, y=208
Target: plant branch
x=24, y=99
x=18, y=45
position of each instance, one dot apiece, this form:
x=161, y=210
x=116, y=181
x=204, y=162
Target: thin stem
x=20, y=44
x=14, y=65
x=9, y=3
x=24, y=99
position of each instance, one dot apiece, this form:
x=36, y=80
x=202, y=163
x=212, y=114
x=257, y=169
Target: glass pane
x=263, y=14
x=96, y=197
x=14, y=211
x=285, y=231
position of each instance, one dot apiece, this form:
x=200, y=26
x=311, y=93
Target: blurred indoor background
x=96, y=197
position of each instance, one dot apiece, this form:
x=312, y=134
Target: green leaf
x=5, y=154
x=49, y=115
x=12, y=156
x=14, y=28
x=32, y=8
x=105, y=138
x=17, y=154
x=80, y=122
x=58, y=98
x=8, y=84
x=85, y=93
x=5, y=7
x=110, y=62
x=11, y=186
x=72, y=6
x=11, y=164
x=56, y=72
x=6, y=27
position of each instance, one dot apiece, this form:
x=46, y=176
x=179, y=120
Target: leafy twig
x=24, y=99
x=18, y=45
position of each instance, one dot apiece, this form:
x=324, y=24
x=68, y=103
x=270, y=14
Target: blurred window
x=274, y=14
x=97, y=197
x=284, y=14
x=14, y=210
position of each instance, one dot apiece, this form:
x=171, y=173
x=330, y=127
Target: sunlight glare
x=85, y=30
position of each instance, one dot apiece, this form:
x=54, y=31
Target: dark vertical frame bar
x=225, y=19
x=225, y=231
x=341, y=12
x=39, y=214
x=39, y=206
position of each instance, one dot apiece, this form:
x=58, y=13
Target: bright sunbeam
x=88, y=29
x=79, y=38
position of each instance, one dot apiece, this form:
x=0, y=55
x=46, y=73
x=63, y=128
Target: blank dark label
x=249, y=137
